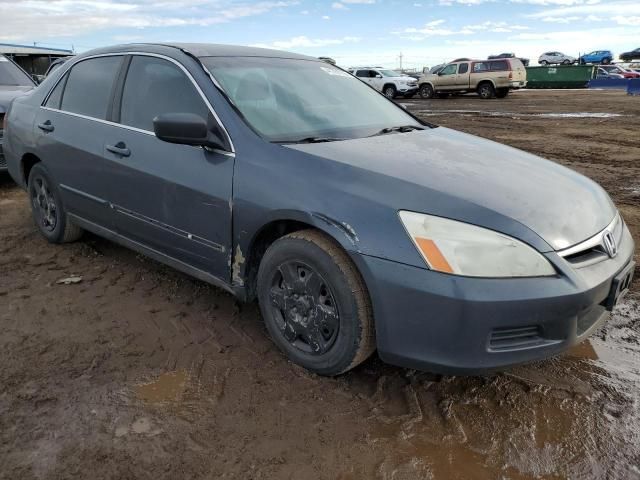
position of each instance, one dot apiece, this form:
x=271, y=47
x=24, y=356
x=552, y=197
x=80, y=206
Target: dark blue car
x=281, y=178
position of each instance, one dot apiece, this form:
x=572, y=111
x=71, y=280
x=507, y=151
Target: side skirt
x=154, y=254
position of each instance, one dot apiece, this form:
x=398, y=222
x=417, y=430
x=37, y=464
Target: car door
x=447, y=77
x=364, y=76
x=174, y=199
x=70, y=129
x=376, y=80
x=462, y=76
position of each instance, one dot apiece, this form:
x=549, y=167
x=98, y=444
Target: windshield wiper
x=401, y=129
x=312, y=140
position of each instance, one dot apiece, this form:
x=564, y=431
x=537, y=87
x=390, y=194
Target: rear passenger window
x=480, y=67
x=155, y=86
x=499, y=65
x=56, y=95
x=463, y=68
x=362, y=73
x=89, y=86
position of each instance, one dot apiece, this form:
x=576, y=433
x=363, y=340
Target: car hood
x=558, y=204
x=9, y=92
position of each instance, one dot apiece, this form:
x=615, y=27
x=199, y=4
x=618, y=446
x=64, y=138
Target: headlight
x=462, y=249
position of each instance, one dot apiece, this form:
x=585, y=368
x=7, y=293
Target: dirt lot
x=141, y=372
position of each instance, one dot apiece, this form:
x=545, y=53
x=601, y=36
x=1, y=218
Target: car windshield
x=288, y=100
x=12, y=75
x=389, y=73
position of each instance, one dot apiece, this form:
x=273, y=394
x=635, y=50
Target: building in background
x=33, y=60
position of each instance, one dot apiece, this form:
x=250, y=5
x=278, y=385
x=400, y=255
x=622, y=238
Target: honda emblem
x=609, y=243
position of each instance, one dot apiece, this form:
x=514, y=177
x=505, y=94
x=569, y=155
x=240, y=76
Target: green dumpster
x=561, y=76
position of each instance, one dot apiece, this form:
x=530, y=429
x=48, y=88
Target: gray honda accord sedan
x=356, y=226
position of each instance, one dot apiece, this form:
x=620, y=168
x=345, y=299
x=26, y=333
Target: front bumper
x=404, y=89
x=461, y=325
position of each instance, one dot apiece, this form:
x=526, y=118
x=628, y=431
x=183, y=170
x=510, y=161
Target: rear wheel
x=566, y=61
x=486, y=90
x=606, y=61
x=314, y=303
x=389, y=91
x=502, y=92
x=47, y=209
x=426, y=91
x=544, y=63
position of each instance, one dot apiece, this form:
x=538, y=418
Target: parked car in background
x=488, y=78
x=525, y=61
x=630, y=56
x=433, y=69
x=57, y=63
x=602, y=73
x=356, y=226
x=389, y=82
x=617, y=69
x=556, y=58
x=14, y=81
x=604, y=57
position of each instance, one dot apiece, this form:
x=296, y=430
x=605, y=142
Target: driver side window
x=155, y=86
x=450, y=69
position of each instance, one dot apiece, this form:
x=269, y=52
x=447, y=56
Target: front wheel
x=426, y=91
x=314, y=303
x=47, y=208
x=566, y=62
x=544, y=63
x=389, y=91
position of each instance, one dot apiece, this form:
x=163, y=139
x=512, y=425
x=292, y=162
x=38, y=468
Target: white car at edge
x=389, y=82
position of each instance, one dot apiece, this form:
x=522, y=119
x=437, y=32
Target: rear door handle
x=119, y=149
x=46, y=126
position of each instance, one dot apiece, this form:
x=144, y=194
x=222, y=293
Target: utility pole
x=400, y=61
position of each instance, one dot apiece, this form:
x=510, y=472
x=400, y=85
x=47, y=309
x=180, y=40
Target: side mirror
x=187, y=129
x=378, y=76
x=439, y=73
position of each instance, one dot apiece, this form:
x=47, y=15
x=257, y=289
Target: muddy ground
x=141, y=372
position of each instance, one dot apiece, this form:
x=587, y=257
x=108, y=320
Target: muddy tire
x=502, y=92
x=486, y=91
x=47, y=209
x=315, y=304
x=426, y=91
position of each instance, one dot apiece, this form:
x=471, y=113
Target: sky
x=354, y=32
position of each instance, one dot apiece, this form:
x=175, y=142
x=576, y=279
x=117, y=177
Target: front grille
x=518, y=338
x=593, y=250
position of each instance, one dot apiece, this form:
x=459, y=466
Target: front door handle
x=46, y=126
x=119, y=149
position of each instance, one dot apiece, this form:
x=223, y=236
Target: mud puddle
x=169, y=387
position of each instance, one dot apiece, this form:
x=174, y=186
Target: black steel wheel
x=47, y=208
x=314, y=303
x=304, y=307
x=43, y=203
